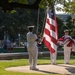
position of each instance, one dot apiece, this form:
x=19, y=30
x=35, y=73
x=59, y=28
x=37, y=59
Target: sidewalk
x=46, y=69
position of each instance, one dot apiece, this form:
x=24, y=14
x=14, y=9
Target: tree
x=10, y=4
x=29, y=4
x=70, y=26
x=17, y=20
x=68, y=6
x=60, y=27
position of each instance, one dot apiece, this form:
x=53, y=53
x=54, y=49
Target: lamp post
x=19, y=39
x=4, y=38
x=73, y=19
x=65, y=22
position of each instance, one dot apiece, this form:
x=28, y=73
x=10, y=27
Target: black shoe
x=53, y=63
x=35, y=69
x=66, y=63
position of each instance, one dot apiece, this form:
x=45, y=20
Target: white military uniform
x=32, y=49
x=53, y=57
x=67, y=51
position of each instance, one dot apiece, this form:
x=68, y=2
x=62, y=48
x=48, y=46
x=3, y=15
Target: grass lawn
x=20, y=62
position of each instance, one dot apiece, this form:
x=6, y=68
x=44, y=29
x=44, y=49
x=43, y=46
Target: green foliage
x=69, y=6
x=13, y=11
x=16, y=22
x=42, y=4
x=60, y=27
x=19, y=1
x=71, y=26
x=66, y=24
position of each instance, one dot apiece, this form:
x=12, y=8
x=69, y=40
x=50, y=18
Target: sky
x=59, y=12
x=59, y=5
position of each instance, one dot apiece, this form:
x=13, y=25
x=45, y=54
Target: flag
x=51, y=31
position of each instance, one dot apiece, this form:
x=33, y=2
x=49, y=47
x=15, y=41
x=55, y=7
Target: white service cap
x=30, y=26
x=66, y=30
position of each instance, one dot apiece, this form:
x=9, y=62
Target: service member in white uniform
x=32, y=48
x=53, y=57
x=67, y=50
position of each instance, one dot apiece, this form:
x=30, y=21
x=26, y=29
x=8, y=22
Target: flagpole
x=44, y=19
x=47, y=8
x=38, y=20
x=45, y=16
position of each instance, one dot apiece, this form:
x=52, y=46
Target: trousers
x=67, y=52
x=53, y=57
x=33, y=55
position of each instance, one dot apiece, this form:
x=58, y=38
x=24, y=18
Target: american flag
x=51, y=31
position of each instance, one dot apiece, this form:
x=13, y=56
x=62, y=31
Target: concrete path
x=55, y=69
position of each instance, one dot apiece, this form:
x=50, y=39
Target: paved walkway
x=55, y=69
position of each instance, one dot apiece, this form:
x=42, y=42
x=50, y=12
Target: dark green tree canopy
x=23, y=16
x=68, y=5
x=10, y=4
x=28, y=4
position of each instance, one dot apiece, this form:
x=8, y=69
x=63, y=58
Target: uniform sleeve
x=70, y=37
x=27, y=37
x=35, y=36
x=67, y=39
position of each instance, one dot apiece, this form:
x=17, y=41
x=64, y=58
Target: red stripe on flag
x=48, y=45
x=47, y=32
x=51, y=26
